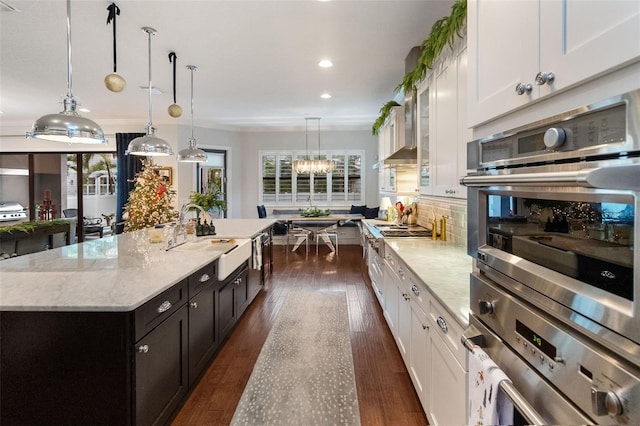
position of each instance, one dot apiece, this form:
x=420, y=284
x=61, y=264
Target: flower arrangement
x=313, y=211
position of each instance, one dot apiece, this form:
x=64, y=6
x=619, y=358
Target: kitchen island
x=116, y=330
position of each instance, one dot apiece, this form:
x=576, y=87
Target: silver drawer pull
x=442, y=324
x=143, y=349
x=204, y=278
x=401, y=272
x=164, y=307
x=193, y=305
x=415, y=290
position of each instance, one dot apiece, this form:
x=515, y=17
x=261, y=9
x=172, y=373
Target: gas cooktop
x=403, y=231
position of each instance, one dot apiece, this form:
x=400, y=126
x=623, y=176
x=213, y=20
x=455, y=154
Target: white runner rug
x=304, y=374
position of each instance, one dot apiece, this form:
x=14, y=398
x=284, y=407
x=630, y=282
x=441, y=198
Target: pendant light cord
x=192, y=68
x=173, y=58
x=149, y=32
x=69, y=81
x=306, y=135
x=114, y=10
x=318, y=138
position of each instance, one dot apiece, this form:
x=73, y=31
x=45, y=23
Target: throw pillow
x=371, y=213
x=358, y=210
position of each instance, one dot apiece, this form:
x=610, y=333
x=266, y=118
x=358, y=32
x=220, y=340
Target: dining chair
x=301, y=235
x=262, y=211
x=326, y=235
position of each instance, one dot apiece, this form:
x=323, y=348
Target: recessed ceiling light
x=325, y=63
x=325, y=96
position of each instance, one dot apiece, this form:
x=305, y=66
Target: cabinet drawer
x=201, y=278
x=418, y=291
x=449, y=330
x=160, y=307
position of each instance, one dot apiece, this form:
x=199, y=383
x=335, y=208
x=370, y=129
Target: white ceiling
x=257, y=60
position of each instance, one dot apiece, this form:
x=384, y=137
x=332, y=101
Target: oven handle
x=601, y=177
x=472, y=337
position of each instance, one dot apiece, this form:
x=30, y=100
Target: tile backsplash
x=454, y=210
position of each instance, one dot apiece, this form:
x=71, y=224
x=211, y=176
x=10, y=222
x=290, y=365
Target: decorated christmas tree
x=151, y=201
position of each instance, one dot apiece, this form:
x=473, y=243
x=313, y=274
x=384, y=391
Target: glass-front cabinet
x=423, y=136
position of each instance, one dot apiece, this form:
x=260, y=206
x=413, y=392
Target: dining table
x=315, y=225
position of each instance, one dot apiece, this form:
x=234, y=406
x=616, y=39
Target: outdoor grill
x=12, y=211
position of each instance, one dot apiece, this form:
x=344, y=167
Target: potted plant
x=210, y=200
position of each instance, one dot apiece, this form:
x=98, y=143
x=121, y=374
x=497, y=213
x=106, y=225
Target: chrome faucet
x=181, y=227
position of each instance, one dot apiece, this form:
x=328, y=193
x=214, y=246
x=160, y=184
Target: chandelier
x=308, y=166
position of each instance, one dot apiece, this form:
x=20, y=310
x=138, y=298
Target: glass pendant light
x=192, y=154
x=149, y=145
x=307, y=165
x=67, y=126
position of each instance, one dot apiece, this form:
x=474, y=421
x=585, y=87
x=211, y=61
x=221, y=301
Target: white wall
x=254, y=142
x=242, y=155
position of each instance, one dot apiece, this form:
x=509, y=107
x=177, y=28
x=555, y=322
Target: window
x=281, y=186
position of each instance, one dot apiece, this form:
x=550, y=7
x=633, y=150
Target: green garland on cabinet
x=443, y=32
x=384, y=113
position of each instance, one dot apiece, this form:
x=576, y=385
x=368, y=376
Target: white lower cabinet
x=447, y=402
x=403, y=338
x=391, y=298
x=419, y=353
x=428, y=338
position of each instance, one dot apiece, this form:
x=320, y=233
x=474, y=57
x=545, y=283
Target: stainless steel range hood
x=408, y=154
x=405, y=155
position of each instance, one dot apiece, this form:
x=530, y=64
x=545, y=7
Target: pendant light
x=307, y=165
x=149, y=144
x=192, y=154
x=67, y=126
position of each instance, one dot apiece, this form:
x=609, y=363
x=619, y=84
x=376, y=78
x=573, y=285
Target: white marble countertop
x=442, y=266
x=241, y=228
x=115, y=273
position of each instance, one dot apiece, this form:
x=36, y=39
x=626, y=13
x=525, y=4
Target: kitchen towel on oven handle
x=488, y=405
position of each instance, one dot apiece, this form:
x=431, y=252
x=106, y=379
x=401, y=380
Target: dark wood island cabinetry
x=66, y=357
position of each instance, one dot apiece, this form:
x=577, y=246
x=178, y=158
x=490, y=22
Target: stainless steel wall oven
x=552, y=226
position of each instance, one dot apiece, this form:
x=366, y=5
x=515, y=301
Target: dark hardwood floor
x=385, y=393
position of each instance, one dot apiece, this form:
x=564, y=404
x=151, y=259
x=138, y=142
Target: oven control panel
x=593, y=130
x=601, y=384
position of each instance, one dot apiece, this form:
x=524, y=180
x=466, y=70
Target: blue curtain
x=127, y=166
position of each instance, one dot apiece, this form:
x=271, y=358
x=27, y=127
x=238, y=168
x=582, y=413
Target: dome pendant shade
x=67, y=126
x=192, y=154
x=149, y=145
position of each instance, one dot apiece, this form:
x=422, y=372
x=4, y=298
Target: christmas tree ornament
x=114, y=81
x=175, y=110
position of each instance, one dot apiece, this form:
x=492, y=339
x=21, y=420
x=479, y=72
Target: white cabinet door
x=448, y=396
x=391, y=133
x=511, y=42
x=581, y=39
x=391, y=299
x=419, y=354
x=503, y=52
x=450, y=127
x=403, y=339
